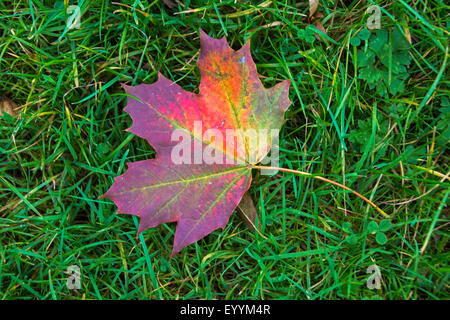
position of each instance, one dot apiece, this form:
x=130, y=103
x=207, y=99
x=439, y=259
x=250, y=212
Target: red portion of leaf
x=200, y=197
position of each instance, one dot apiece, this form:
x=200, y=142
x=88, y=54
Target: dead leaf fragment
x=8, y=106
x=169, y=3
x=313, y=5
x=247, y=211
x=319, y=26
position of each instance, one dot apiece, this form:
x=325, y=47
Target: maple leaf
x=199, y=196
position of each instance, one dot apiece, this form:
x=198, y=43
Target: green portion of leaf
x=383, y=62
x=372, y=227
x=385, y=225
x=381, y=238
x=352, y=239
x=364, y=34
x=347, y=227
x=355, y=41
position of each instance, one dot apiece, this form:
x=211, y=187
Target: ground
x=379, y=126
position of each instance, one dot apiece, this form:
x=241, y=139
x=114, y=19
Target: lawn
x=370, y=109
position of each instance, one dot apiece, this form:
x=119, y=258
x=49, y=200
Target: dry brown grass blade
x=301, y=173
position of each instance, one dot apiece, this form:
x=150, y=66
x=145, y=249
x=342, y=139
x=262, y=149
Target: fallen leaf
x=169, y=3
x=199, y=196
x=314, y=16
x=8, y=106
x=319, y=26
x=313, y=5
x=247, y=211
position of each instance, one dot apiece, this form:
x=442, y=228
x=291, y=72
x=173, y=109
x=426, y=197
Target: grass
x=61, y=152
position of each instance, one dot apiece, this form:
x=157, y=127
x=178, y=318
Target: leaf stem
x=306, y=174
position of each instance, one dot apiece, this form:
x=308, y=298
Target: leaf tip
x=125, y=87
x=176, y=249
x=140, y=229
x=105, y=195
x=247, y=44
